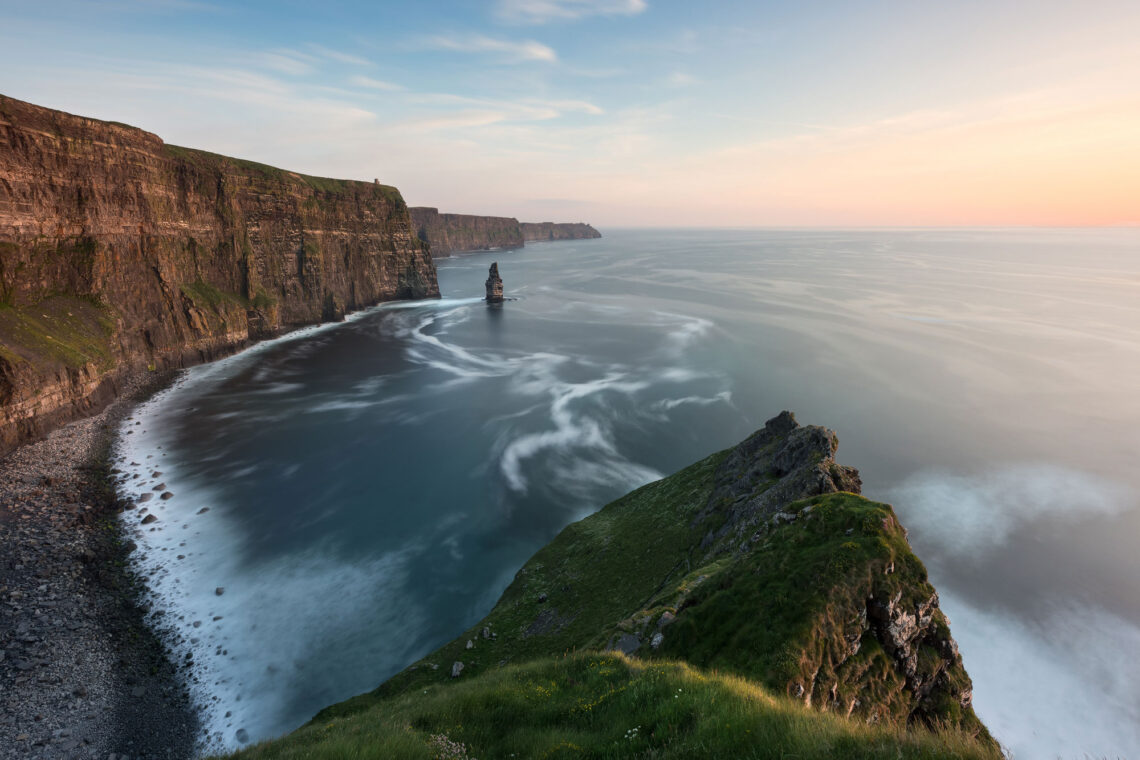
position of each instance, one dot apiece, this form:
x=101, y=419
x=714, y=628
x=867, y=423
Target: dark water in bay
x=373, y=486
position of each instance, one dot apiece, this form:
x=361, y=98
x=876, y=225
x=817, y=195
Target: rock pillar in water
x=494, y=285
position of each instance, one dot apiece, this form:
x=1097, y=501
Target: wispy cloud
x=339, y=56
x=374, y=84
x=479, y=112
x=546, y=11
x=521, y=50
x=681, y=79
x=285, y=62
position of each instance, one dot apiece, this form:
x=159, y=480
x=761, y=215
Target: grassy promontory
x=752, y=605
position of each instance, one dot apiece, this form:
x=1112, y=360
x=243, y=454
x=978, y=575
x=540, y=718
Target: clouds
x=508, y=50
x=374, y=84
x=547, y=11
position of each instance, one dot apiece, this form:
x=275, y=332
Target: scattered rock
x=167, y=496
x=627, y=643
x=219, y=591
x=242, y=736
x=149, y=519
x=470, y=644
x=456, y=669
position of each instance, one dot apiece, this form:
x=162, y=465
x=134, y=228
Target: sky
x=630, y=112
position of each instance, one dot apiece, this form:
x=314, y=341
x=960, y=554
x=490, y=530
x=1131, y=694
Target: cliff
x=536, y=231
x=453, y=233
x=118, y=251
x=750, y=605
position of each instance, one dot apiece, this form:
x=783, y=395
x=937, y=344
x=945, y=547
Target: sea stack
x=494, y=285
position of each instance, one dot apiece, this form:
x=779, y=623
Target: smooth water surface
x=372, y=487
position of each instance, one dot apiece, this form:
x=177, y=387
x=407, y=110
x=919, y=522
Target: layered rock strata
x=454, y=233
x=119, y=251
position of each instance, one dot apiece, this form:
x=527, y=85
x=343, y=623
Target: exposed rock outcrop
x=494, y=285
x=761, y=561
x=118, y=251
x=536, y=231
x=455, y=233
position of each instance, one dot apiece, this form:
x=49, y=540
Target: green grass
x=595, y=573
x=262, y=300
x=62, y=330
x=807, y=581
x=204, y=294
x=606, y=706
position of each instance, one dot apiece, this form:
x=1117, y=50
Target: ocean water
x=371, y=487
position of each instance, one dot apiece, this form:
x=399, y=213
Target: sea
x=348, y=497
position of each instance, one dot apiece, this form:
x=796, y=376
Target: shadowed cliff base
x=119, y=252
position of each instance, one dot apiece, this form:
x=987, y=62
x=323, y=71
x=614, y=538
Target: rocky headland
x=119, y=252
x=541, y=231
x=446, y=234
x=752, y=604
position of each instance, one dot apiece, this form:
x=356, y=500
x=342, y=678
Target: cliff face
x=118, y=251
x=453, y=233
x=535, y=231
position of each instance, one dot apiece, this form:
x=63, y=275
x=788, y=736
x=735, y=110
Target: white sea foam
x=258, y=607
x=570, y=429
x=1032, y=673
x=227, y=635
x=1031, y=680
x=724, y=397
x=973, y=514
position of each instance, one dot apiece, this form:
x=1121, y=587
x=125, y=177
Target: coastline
x=81, y=673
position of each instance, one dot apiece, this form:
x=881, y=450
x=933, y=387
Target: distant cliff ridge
x=118, y=251
x=535, y=231
x=452, y=233
x=456, y=233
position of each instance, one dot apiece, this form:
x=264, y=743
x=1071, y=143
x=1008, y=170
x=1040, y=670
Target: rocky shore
x=81, y=675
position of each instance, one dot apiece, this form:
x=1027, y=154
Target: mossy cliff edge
x=750, y=605
x=118, y=251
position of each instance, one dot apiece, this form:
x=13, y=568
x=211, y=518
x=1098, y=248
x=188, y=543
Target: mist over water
x=372, y=487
